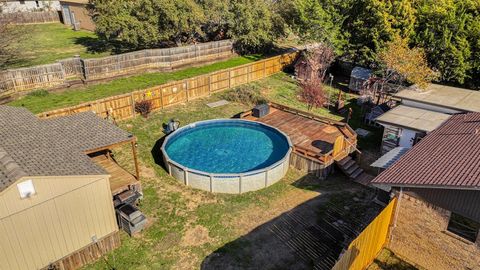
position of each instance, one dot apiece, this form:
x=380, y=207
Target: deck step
x=352, y=169
x=344, y=160
x=349, y=164
x=364, y=179
x=356, y=173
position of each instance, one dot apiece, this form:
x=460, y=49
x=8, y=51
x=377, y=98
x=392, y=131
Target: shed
x=56, y=204
x=404, y=126
x=76, y=14
x=358, y=77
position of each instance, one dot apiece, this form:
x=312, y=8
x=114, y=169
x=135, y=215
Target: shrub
x=143, y=107
x=39, y=93
x=245, y=94
x=313, y=94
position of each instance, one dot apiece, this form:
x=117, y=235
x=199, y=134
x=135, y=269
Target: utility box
x=261, y=110
x=130, y=219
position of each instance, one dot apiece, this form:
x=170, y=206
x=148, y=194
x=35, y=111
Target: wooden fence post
x=133, y=104
x=264, y=69
x=186, y=88
x=209, y=85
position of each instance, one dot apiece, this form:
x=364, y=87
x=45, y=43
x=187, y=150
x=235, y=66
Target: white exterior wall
x=407, y=137
x=28, y=5
x=429, y=107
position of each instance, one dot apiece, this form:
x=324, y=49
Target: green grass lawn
x=41, y=101
x=177, y=213
x=387, y=260
x=47, y=43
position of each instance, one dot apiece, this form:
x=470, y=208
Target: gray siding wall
x=463, y=202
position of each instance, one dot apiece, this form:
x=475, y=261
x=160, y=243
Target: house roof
x=413, y=118
x=448, y=157
x=444, y=96
x=53, y=147
x=361, y=73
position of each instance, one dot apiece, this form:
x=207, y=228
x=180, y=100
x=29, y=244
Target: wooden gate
x=365, y=248
x=338, y=146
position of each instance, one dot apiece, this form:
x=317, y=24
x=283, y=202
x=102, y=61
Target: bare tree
x=314, y=62
x=313, y=93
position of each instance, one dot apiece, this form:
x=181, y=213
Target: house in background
x=57, y=182
x=437, y=183
x=358, y=77
x=75, y=14
x=12, y=6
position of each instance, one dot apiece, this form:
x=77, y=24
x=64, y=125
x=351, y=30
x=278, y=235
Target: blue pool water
x=227, y=146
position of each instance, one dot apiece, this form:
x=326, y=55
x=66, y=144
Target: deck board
x=120, y=179
x=304, y=132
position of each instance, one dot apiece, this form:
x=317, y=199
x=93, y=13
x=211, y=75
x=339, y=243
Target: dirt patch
x=147, y=172
x=196, y=236
x=259, y=215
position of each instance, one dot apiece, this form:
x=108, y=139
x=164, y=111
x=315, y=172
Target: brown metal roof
x=448, y=157
x=33, y=147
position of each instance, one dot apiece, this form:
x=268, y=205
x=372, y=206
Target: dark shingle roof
x=447, y=157
x=54, y=147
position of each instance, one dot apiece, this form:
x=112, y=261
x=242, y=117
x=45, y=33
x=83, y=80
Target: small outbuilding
x=441, y=98
x=404, y=126
x=57, y=181
x=76, y=14
x=358, y=77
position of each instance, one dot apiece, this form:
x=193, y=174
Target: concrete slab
x=218, y=103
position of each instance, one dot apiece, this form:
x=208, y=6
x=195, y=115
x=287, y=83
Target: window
x=26, y=189
x=463, y=227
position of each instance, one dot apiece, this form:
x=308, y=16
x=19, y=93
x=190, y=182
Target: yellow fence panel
x=365, y=248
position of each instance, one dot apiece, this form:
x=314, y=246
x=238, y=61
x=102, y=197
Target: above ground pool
x=227, y=156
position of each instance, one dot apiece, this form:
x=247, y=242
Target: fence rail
x=30, y=17
x=23, y=80
x=123, y=106
x=365, y=248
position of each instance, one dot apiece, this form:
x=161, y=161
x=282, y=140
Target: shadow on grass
x=93, y=44
x=312, y=235
x=157, y=153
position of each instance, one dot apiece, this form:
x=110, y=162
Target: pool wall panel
x=253, y=182
x=199, y=181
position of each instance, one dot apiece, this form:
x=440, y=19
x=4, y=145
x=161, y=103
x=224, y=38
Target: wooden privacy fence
x=30, y=17
x=23, y=79
x=365, y=248
x=60, y=74
x=123, y=106
x=163, y=59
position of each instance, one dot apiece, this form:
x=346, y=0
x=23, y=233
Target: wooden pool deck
x=120, y=179
x=312, y=136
